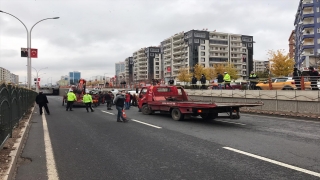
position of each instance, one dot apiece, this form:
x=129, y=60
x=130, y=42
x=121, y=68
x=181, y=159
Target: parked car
x=283, y=83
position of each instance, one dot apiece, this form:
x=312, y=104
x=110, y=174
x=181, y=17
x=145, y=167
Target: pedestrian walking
x=297, y=78
x=87, y=100
x=227, y=80
x=119, y=102
x=314, y=76
x=109, y=98
x=134, y=100
x=42, y=101
x=194, y=82
x=71, y=97
x=219, y=80
x=203, y=81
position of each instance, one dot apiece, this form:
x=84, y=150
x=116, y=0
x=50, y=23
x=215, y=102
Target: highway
x=79, y=145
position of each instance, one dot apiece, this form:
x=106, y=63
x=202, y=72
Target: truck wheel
x=146, y=110
x=177, y=115
x=209, y=116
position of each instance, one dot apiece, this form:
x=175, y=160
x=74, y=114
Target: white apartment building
x=147, y=64
x=7, y=77
x=120, y=72
x=260, y=66
x=186, y=49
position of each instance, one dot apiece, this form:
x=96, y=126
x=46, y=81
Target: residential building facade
x=260, y=66
x=307, y=34
x=74, y=77
x=292, y=44
x=120, y=72
x=7, y=77
x=206, y=48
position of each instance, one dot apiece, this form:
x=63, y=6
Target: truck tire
x=177, y=115
x=146, y=110
x=209, y=116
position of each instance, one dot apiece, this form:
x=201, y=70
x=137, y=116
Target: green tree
x=281, y=63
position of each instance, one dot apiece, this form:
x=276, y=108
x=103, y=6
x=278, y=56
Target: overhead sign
x=33, y=52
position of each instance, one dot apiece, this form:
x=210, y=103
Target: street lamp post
x=37, y=85
x=28, y=45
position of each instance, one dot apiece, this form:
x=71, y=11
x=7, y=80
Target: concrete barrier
x=282, y=101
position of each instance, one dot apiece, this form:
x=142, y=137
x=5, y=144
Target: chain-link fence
x=14, y=103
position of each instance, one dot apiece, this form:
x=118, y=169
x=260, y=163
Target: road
x=80, y=145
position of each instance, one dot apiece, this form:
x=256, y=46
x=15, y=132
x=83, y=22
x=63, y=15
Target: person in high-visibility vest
x=227, y=80
x=87, y=100
x=71, y=97
x=253, y=80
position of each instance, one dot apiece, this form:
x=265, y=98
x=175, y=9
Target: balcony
x=304, y=16
x=235, y=39
x=180, y=40
x=307, y=3
x=307, y=52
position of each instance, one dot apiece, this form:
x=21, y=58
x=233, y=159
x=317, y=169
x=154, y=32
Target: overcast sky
x=91, y=35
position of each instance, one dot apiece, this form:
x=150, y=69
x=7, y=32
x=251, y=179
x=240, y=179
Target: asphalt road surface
x=79, y=145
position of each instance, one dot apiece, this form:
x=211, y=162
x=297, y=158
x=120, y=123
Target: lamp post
x=28, y=45
x=48, y=80
x=37, y=85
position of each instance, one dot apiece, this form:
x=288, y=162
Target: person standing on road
x=42, y=101
x=71, y=97
x=119, y=102
x=203, y=81
x=109, y=99
x=314, y=76
x=253, y=80
x=227, y=80
x=127, y=101
x=220, y=80
x=194, y=82
x=87, y=100
x=171, y=82
x=297, y=78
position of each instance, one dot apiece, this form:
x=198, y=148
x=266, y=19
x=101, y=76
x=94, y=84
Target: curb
x=18, y=145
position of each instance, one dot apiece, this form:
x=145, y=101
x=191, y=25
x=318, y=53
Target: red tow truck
x=174, y=100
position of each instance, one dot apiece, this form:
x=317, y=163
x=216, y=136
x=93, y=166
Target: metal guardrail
x=14, y=103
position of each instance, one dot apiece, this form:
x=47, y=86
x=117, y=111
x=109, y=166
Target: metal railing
x=15, y=102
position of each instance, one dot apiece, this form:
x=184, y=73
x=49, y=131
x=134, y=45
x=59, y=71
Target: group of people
x=221, y=79
x=314, y=76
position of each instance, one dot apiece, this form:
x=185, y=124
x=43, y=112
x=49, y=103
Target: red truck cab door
x=142, y=96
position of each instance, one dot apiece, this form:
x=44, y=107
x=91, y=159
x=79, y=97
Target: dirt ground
x=5, y=158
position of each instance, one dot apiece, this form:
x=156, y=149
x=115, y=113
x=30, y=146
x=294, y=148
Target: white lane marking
x=275, y=162
x=51, y=164
x=231, y=122
x=146, y=124
x=289, y=119
x=108, y=112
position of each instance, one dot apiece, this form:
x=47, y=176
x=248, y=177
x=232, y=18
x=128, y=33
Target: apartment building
x=120, y=72
x=260, y=66
x=186, y=49
x=129, y=77
x=307, y=34
x=7, y=77
x=292, y=44
x=147, y=64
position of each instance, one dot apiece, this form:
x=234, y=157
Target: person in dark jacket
x=203, y=80
x=297, y=78
x=194, y=82
x=314, y=76
x=220, y=80
x=108, y=97
x=119, y=102
x=42, y=101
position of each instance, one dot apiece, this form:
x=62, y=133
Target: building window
x=318, y=40
x=249, y=45
x=202, y=53
x=196, y=40
x=318, y=9
x=203, y=59
x=202, y=47
x=201, y=41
